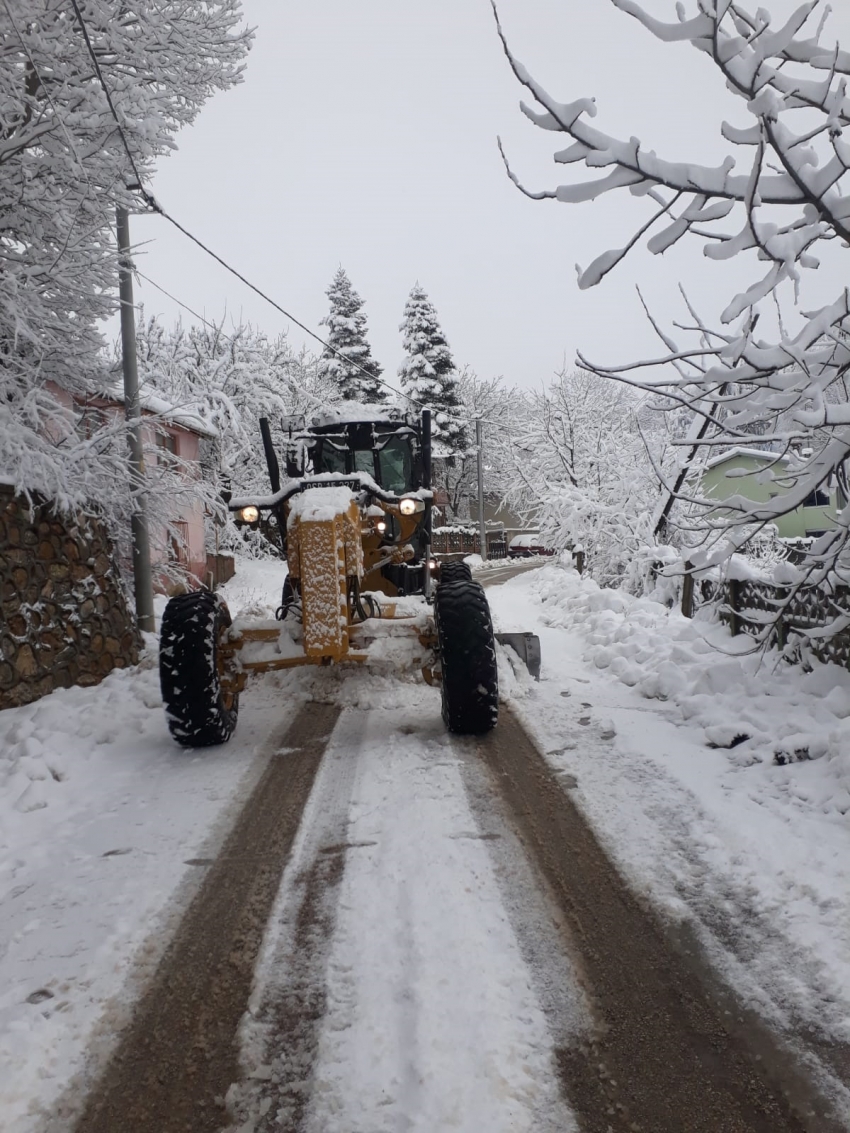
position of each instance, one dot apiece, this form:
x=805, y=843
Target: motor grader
x=353, y=518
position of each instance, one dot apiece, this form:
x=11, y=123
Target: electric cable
x=154, y=205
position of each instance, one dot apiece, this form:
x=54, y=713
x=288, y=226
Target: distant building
x=174, y=434
x=737, y=473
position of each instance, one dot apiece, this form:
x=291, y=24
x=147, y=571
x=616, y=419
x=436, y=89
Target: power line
x=156, y=207
x=185, y=306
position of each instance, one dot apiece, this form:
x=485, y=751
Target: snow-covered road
x=431, y=1016
x=751, y=856
x=418, y=972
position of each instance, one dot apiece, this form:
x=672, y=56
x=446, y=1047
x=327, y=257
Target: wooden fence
x=465, y=543
x=774, y=612
x=220, y=569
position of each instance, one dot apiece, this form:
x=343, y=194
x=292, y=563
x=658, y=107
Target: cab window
x=395, y=461
x=329, y=458
x=364, y=461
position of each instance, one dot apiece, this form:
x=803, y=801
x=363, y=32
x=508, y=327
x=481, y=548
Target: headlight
x=407, y=506
x=381, y=526
x=249, y=514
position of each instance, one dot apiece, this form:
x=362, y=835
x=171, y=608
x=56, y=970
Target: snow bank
x=758, y=706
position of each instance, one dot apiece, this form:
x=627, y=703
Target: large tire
x=455, y=570
x=198, y=711
x=470, y=682
x=288, y=600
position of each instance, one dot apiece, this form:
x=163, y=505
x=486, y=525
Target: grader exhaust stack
x=353, y=521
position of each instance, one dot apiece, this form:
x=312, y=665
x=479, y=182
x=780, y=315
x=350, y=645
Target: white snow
x=151, y=402
x=358, y=412
x=320, y=504
x=432, y=1018
x=649, y=711
x=100, y=814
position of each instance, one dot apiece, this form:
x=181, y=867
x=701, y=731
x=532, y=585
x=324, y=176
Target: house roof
x=756, y=453
x=181, y=416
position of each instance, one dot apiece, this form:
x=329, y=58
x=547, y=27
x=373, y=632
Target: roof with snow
x=754, y=453
x=360, y=412
x=181, y=416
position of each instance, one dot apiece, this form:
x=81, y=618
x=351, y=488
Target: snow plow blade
x=527, y=648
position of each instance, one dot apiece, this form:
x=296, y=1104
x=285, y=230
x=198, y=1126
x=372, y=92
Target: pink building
x=174, y=434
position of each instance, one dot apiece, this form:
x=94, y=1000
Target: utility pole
x=482, y=529
x=142, y=584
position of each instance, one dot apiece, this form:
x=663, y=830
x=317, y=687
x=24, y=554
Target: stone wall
x=63, y=617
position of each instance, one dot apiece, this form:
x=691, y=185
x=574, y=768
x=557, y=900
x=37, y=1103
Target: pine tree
x=428, y=374
x=351, y=354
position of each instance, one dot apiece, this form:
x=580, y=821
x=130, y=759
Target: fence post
x=782, y=594
x=688, y=591
x=732, y=587
x=578, y=559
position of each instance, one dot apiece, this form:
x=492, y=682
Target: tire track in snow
x=178, y=1057
x=279, y=1034
x=665, y=1056
x=430, y=1019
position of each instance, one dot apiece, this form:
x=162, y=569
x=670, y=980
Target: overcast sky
x=364, y=134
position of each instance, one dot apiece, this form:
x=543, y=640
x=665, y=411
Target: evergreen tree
x=351, y=354
x=428, y=374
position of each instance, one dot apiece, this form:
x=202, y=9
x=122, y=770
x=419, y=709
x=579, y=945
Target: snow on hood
x=320, y=504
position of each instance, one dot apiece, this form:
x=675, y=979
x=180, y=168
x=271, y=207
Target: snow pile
x=757, y=706
x=358, y=412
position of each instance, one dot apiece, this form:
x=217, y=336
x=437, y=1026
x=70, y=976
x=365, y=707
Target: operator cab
x=386, y=447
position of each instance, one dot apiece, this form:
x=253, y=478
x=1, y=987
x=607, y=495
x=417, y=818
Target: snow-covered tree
x=581, y=471
x=428, y=374
x=229, y=380
x=63, y=169
x=768, y=362
x=349, y=362
x=496, y=406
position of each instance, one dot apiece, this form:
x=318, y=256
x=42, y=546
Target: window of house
x=818, y=498
x=178, y=543
x=89, y=420
x=167, y=445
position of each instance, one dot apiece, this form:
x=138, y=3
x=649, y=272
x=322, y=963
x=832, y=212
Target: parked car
x=526, y=546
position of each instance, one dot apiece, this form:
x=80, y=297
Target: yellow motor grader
x=353, y=520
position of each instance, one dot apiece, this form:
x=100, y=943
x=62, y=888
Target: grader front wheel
x=470, y=682
x=200, y=707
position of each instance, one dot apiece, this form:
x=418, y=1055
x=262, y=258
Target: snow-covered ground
x=432, y=1018
x=689, y=756
x=101, y=816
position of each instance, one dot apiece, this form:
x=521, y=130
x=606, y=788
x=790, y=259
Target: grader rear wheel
x=200, y=707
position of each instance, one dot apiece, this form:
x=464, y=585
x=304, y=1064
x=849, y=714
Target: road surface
x=410, y=931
